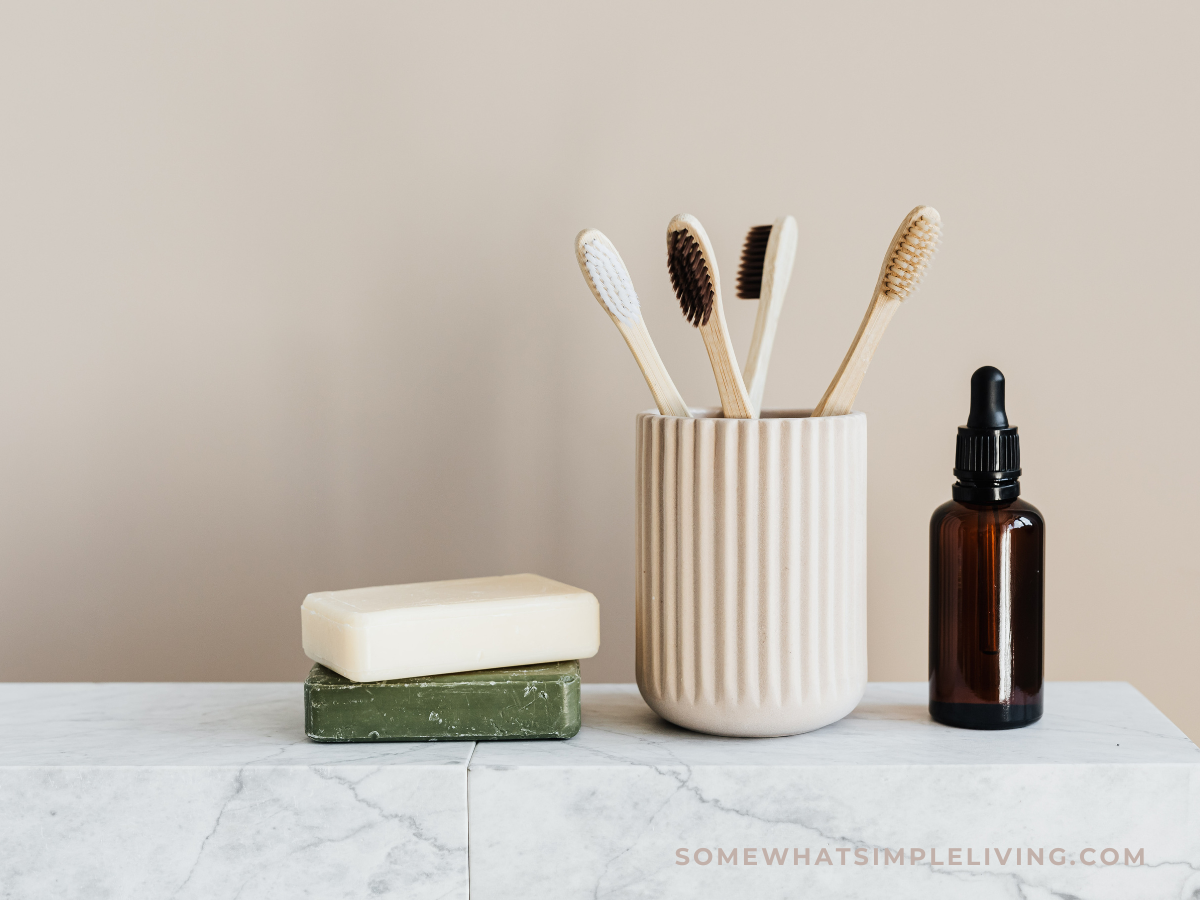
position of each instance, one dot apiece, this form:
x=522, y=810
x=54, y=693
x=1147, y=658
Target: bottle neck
x=986, y=491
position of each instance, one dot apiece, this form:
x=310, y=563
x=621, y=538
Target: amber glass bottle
x=986, y=569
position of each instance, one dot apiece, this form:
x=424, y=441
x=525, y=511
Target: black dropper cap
x=987, y=460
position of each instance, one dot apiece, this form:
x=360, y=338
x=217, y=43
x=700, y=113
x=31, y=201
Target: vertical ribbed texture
x=751, y=555
x=995, y=452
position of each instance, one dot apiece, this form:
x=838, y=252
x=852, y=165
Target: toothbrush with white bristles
x=605, y=273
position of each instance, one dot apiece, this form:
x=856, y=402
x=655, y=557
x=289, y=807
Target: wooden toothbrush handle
x=839, y=396
x=666, y=396
x=777, y=272
x=759, y=355
x=735, y=401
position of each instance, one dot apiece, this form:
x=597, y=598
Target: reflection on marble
x=213, y=791
x=606, y=814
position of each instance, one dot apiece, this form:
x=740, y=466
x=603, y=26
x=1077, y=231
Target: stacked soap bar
x=518, y=703
x=472, y=659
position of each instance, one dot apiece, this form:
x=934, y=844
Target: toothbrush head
x=605, y=272
x=910, y=254
x=754, y=255
x=767, y=258
x=693, y=269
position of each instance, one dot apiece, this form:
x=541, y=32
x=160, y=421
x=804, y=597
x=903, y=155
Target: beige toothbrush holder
x=752, y=570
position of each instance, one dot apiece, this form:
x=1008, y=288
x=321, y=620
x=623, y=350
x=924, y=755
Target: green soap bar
x=523, y=703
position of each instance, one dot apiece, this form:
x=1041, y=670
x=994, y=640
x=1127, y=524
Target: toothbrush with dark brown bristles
x=764, y=273
x=697, y=284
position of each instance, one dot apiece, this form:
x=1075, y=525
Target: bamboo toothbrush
x=605, y=273
x=766, y=269
x=907, y=259
x=697, y=284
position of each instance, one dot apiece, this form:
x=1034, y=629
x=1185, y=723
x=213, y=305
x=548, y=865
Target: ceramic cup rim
x=788, y=414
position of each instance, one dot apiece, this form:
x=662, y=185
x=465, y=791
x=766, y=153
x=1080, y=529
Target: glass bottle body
x=986, y=581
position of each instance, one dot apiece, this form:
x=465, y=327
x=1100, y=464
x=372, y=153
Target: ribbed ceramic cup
x=752, y=570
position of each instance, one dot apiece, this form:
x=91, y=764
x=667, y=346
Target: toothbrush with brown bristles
x=697, y=284
x=605, y=273
x=907, y=259
x=764, y=273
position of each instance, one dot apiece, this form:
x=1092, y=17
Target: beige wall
x=289, y=302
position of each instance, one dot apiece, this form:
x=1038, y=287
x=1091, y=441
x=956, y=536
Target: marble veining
x=213, y=791
x=608, y=812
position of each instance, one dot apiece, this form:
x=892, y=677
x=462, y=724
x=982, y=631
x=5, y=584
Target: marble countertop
x=634, y=807
x=192, y=724
x=212, y=790
x=208, y=791
x=1086, y=723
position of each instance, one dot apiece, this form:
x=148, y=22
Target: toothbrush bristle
x=912, y=253
x=754, y=255
x=690, y=277
x=612, y=281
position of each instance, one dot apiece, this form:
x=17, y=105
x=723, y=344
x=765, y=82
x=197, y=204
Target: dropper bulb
x=987, y=399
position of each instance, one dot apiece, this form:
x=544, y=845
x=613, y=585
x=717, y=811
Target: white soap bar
x=436, y=627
